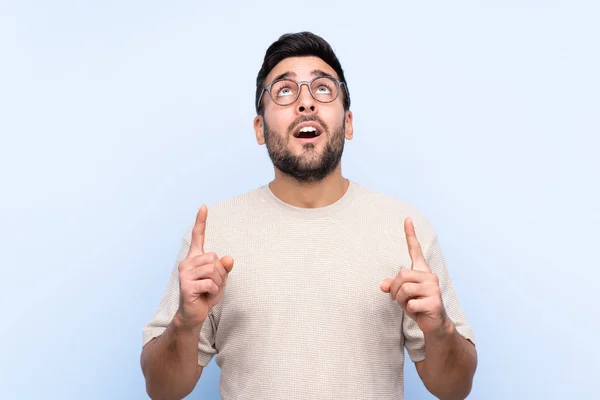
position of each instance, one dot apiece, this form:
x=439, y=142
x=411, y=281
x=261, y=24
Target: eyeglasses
x=284, y=92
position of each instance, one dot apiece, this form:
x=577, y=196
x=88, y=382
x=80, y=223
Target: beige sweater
x=303, y=316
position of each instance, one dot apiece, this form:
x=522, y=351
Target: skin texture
x=274, y=129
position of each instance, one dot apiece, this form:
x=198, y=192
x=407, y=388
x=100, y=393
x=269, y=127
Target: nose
x=306, y=103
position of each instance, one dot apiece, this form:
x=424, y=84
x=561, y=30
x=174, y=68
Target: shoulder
x=239, y=204
x=392, y=211
x=225, y=213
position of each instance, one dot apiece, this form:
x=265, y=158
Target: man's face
x=305, y=156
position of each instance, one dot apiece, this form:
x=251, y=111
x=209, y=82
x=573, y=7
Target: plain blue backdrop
x=118, y=119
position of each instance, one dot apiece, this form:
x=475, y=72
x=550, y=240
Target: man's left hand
x=417, y=290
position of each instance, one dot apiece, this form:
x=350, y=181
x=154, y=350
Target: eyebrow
x=321, y=74
x=292, y=74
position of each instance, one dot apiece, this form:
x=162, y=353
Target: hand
x=418, y=290
x=202, y=277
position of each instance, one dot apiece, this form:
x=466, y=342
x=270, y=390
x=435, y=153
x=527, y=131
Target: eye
x=284, y=91
x=323, y=89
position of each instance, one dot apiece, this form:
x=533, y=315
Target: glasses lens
x=324, y=89
x=284, y=92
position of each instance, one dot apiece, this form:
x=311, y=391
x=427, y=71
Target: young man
x=330, y=282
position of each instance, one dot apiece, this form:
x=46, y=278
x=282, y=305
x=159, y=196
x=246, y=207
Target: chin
x=311, y=163
x=309, y=155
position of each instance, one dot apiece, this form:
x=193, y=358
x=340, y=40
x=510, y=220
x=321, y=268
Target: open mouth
x=307, y=132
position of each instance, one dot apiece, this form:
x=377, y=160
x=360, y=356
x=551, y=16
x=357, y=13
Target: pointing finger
x=198, y=232
x=414, y=248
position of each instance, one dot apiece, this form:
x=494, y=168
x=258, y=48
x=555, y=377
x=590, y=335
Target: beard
x=309, y=166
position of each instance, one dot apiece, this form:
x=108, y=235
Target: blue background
x=118, y=119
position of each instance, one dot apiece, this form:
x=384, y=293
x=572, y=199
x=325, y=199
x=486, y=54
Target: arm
x=170, y=362
x=448, y=357
x=449, y=365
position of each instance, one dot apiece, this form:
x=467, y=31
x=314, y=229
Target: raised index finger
x=198, y=232
x=414, y=248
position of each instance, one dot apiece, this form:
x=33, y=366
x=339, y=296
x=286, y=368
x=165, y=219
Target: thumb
x=386, y=285
x=227, y=262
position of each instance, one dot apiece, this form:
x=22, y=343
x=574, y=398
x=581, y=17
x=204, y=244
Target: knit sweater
x=303, y=315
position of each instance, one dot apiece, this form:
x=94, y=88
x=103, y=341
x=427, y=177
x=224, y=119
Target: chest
x=325, y=277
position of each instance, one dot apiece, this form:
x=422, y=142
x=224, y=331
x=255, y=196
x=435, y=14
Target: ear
x=349, y=127
x=259, y=129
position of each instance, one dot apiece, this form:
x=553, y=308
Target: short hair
x=298, y=45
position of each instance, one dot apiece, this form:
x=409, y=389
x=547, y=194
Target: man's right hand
x=202, y=278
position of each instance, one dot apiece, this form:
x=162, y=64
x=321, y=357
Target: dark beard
x=296, y=166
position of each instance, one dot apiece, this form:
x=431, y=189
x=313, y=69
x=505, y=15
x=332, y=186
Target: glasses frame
x=307, y=83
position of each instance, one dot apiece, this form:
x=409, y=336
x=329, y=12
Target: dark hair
x=298, y=45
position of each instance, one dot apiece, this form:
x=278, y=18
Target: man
x=330, y=283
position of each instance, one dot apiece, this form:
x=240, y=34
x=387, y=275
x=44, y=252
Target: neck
x=309, y=195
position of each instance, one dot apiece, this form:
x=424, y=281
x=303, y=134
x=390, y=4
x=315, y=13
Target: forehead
x=303, y=67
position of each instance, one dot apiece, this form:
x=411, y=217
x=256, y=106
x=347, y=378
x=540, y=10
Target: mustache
x=306, y=118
